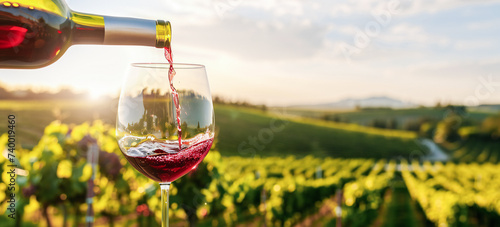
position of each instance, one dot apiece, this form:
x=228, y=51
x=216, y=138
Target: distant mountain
x=370, y=102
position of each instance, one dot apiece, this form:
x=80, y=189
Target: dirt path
x=401, y=209
x=325, y=213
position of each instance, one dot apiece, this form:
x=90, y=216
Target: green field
x=240, y=131
x=480, y=150
x=304, y=137
x=401, y=116
x=33, y=116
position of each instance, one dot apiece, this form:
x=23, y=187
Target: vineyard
x=455, y=194
x=225, y=191
x=478, y=150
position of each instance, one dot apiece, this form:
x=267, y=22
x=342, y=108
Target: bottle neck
x=87, y=29
x=106, y=30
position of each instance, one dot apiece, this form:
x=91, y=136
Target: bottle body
x=31, y=37
x=34, y=34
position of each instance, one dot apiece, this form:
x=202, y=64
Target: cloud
x=412, y=7
x=483, y=25
x=412, y=34
x=467, y=45
x=255, y=40
x=458, y=70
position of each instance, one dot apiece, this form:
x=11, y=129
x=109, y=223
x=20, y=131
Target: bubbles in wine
x=154, y=160
x=150, y=147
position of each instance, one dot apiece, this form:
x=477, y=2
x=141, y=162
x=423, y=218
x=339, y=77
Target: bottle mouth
x=163, y=34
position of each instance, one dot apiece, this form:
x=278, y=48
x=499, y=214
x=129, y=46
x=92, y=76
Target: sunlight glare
x=96, y=92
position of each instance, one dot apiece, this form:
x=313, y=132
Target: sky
x=285, y=52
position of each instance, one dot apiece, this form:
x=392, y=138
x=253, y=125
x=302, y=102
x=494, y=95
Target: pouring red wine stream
x=171, y=74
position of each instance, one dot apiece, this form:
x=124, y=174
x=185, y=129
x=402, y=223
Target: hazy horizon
x=86, y=94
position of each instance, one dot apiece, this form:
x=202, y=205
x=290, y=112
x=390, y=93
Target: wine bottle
x=36, y=33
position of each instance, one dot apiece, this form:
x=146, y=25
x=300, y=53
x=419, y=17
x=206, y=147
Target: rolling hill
x=370, y=102
x=241, y=131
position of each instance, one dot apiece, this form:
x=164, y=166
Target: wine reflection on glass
x=147, y=126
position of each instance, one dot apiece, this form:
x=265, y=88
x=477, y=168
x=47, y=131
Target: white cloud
x=412, y=7
x=255, y=40
x=407, y=33
x=483, y=25
x=465, y=45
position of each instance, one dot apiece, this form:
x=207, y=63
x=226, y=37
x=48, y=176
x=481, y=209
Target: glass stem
x=165, y=187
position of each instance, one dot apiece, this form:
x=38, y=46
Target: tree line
x=29, y=94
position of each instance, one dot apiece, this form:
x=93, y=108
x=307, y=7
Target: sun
x=96, y=92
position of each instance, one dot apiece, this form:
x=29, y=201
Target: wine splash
x=171, y=74
x=163, y=162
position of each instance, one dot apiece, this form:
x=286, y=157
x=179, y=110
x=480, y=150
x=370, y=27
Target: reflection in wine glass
x=146, y=126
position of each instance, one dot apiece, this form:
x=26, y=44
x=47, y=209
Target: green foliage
x=383, y=123
x=449, y=192
x=477, y=148
x=229, y=190
x=407, y=119
x=223, y=189
x=302, y=137
x=235, y=126
x=478, y=144
x=447, y=129
x=286, y=190
x=58, y=172
x=491, y=126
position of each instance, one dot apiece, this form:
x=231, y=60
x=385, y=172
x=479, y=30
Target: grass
x=401, y=210
x=8, y=222
x=33, y=116
x=246, y=132
x=475, y=150
x=402, y=116
x=241, y=131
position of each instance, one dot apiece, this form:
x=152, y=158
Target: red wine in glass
x=164, y=162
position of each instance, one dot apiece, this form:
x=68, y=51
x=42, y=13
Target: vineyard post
x=92, y=158
x=319, y=172
x=338, y=209
x=263, y=199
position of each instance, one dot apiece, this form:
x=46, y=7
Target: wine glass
x=147, y=127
